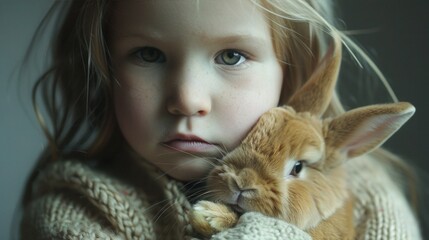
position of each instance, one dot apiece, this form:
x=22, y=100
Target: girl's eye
x=297, y=168
x=151, y=55
x=230, y=57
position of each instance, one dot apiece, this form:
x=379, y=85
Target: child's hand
x=208, y=218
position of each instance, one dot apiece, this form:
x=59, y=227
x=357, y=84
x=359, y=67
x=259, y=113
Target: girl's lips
x=189, y=143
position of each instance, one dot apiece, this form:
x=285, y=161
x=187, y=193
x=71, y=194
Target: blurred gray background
x=397, y=37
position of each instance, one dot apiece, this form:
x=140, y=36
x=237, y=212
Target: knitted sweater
x=129, y=199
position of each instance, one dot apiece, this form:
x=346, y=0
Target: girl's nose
x=189, y=94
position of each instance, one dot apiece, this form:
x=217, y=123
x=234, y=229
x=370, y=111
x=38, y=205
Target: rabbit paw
x=208, y=218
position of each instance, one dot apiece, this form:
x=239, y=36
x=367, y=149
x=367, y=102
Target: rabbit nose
x=239, y=194
x=238, y=198
x=235, y=197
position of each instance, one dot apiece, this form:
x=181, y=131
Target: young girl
x=143, y=97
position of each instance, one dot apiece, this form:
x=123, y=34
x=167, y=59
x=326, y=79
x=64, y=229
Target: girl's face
x=194, y=77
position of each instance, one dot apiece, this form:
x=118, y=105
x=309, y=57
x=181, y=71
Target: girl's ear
x=314, y=96
x=363, y=129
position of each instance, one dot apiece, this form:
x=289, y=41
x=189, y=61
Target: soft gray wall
x=20, y=137
x=400, y=47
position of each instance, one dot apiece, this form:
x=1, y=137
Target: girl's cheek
x=239, y=120
x=244, y=107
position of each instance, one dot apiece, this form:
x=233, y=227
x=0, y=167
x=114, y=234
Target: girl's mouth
x=188, y=144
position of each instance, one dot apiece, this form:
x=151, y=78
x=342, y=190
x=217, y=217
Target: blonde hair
x=77, y=90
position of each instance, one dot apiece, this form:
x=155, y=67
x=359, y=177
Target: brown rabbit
x=290, y=166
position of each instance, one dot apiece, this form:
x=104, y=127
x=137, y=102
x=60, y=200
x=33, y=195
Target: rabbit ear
x=363, y=129
x=314, y=96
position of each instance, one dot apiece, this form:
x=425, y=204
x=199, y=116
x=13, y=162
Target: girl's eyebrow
x=237, y=38
x=227, y=39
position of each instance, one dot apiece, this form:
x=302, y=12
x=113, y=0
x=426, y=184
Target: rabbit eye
x=297, y=168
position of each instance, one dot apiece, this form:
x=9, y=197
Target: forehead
x=302, y=134
x=206, y=19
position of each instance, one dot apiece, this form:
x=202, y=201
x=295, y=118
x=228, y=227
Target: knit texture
x=130, y=199
x=254, y=225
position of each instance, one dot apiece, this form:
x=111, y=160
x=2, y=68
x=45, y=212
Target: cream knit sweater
x=128, y=199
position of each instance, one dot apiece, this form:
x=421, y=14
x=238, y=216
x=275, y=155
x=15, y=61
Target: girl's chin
x=194, y=169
